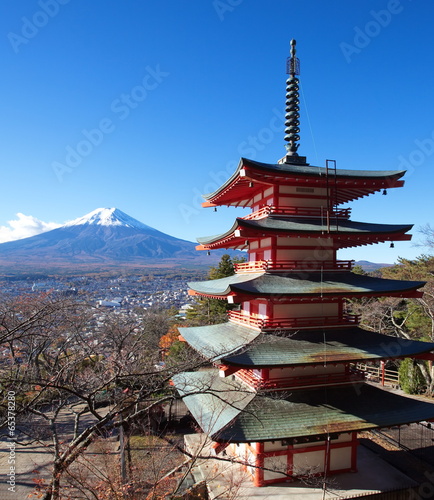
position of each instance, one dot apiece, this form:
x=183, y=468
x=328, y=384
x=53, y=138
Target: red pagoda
x=285, y=397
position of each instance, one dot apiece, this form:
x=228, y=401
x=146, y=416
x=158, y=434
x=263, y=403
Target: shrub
x=411, y=379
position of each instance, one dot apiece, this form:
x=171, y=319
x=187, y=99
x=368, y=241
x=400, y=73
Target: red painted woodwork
x=428, y=356
x=258, y=382
x=228, y=370
x=219, y=447
x=243, y=237
x=259, y=463
x=282, y=265
x=282, y=323
x=290, y=451
x=265, y=211
x=250, y=182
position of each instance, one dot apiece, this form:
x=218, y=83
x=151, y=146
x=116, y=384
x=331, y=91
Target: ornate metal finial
x=292, y=116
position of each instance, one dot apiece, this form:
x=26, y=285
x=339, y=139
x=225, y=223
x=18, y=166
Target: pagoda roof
x=350, y=184
x=229, y=411
x=346, y=233
x=306, y=283
x=217, y=341
x=241, y=346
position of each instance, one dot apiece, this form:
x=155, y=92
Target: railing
x=259, y=214
x=300, y=381
x=340, y=213
x=254, y=266
x=282, y=265
x=285, y=323
x=245, y=319
x=377, y=374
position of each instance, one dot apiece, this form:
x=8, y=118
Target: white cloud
x=23, y=227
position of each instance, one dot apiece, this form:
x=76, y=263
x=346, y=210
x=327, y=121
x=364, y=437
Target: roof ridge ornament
x=292, y=115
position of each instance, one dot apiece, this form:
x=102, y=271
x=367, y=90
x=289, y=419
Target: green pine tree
x=212, y=311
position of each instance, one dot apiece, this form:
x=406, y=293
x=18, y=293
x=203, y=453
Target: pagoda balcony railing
x=286, y=323
x=283, y=265
x=340, y=213
x=300, y=381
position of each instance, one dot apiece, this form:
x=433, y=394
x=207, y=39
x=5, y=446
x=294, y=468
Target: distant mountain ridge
x=103, y=236
x=109, y=238
x=371, y=266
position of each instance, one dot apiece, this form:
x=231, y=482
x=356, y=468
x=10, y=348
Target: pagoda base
x=226, y=479
x=278, y=461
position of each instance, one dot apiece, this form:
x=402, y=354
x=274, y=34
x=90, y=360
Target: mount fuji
x=106, y=236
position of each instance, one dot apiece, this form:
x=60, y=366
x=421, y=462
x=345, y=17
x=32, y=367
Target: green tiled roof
x=296, y=283
x=228, y=412
x=241, y=346
x=215, y=341
x=289, y=225
x=213, y=405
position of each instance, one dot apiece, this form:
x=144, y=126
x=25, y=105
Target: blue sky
x=143, y=105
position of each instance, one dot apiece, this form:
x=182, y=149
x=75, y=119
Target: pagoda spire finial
x=292, y=116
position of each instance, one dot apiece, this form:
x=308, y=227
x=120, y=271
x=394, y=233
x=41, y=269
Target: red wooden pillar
x=290, y=463
x=274, y=249
x=354, y=444
x=259, y=465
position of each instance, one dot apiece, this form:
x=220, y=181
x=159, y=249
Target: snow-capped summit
x=105, y=237
x=107, y=217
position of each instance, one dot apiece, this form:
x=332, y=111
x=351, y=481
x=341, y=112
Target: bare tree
x=428, y=236
x=79, y=374
x=82, y=377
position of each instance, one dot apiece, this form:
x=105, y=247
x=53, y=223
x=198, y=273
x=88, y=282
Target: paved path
x=33, y=462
